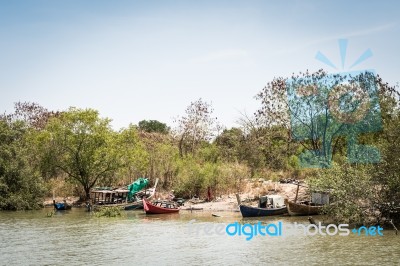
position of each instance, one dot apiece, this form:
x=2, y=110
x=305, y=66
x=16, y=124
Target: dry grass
x=61, y=188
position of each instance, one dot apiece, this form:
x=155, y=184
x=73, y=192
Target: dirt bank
x=250, y=196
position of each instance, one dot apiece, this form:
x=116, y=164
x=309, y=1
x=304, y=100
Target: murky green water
x=78, y=238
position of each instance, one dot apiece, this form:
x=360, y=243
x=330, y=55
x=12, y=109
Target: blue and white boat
x=268, y=205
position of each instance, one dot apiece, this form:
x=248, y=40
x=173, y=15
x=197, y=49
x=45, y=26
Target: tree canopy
x=82, y=145
x=21, y=186
x=151, y=126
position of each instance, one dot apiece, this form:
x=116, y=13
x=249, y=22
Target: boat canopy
x=275, y=201
x=320, y=198
x=137, y=186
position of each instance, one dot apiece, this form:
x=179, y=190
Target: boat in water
x=268, y=205
x=160, y=207
x=312, y=207
x=137, y=204
x=61, y=206
x=302, y=208
x=129, y=198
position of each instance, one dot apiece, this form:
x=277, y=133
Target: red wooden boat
x=159, y=207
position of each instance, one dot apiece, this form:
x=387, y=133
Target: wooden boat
x=160, y=207
x=248, y=211
x=119, y=198
x=302, y=208
x=144, y=194
x=268, y=205
x=61, y=206
x=313, y=207
x=137, y=205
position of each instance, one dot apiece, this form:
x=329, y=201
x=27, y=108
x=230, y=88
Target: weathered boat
x=160, y=207
x=138, y=203
x=61, y=206
x=303, y=208
x=268, y=205
x=313, y=207
x=127, y=199
x=248, y=211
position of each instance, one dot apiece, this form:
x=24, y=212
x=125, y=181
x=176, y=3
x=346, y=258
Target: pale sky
x=135, y=60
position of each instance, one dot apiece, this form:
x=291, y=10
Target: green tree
x=152, y=126
x=163, y=155
x=82, y=145
x=368, y=194
x=318, y=108
x=230, y=143
x=132, y=155
x=351, y=191
x=193, y=177
x=21, y=186
x=387, y=172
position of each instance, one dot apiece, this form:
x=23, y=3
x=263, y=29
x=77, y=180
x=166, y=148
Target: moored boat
x=127, y=199
x=160, y=207
x=143, y=194
x=248, y=211
x=61, y=206
x=137, y=205
x=268, y=205
x=303, y=208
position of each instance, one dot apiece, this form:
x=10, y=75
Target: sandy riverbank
x=229, y=202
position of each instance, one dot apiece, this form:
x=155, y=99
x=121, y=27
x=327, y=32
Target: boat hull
x=134, y=206
x=248, y=211
x=296, y=209
x=130, y=206
x=149, y=208
x=62, y=206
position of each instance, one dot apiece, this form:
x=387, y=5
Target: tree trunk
x=181, y=147
x=87, y=192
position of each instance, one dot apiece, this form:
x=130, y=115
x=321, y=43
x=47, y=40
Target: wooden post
x=391, y=222
x=54, y=201
x=297, y=192
x=238, y=199
x=155, y=184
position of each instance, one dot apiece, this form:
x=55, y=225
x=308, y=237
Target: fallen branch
x=395, y=228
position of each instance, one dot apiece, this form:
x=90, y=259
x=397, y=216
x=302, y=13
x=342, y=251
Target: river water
x=78, y=238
